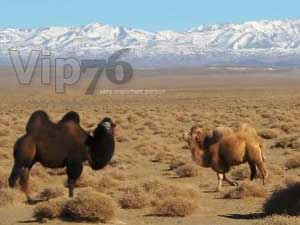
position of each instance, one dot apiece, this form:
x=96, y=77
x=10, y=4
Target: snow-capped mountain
x=261, y=43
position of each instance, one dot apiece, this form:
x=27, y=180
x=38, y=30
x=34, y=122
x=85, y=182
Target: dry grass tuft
x=105, y=183
x=246, y=190
x=284, y=201
x=50, y=193
x=175, y=207
x=90, y=206
x=241, y=173
x=7, y=196
x=175, y=163
x=290, y=141
x=269, y=133
x=293, y=163
x=157, y=190
x=187, y=171
x=133, y=198
x=278, y=220
x=49, y=209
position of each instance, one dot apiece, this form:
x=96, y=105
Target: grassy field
x=152, y=179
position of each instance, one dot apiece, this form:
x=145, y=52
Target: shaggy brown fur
x=64, y=144
x=225, y=150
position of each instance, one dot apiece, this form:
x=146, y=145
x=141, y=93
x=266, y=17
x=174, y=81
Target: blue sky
x=152, y=15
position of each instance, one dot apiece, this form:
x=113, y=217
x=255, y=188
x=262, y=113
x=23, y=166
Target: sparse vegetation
x=150, y=130
x=134, y=198
x=293, y=163
x=90, y=206
x=246, y=190
x=187, y=171
x=49, y=209
x=7, y=197
x=175, y=163
x=268, y=133
x=53, y=192
x=278, y=220
x=175, y=206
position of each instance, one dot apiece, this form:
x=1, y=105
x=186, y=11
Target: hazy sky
x=152, y=15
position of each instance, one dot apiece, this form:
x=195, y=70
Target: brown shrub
x=106, y=183
x=133, y=198
x=90, y=206
x=246, y=190
x=158, y=190
x=86, y=179
x=278, y=220
x=151, y=125
x=174, y=207
x=49, y=209
x=187, y=171
x=241, y=173
x=290, y=141
x=268, y=133
x=284, y=201
x=175, y=163
x=293, y=163
x=50, y=193
x=152, y=185
x=7, y=196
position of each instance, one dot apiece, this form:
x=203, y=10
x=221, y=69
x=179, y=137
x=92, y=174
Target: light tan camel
x=223, y=148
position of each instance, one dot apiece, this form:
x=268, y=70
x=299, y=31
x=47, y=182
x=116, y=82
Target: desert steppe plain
x=152, y=167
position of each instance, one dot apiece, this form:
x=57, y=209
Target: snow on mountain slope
x=250, y=43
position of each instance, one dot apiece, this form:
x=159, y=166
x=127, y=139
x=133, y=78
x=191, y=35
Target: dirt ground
x=149, y=138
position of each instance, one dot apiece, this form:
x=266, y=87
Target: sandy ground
x=150, y=130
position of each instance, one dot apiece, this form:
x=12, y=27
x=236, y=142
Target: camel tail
x=14, y=176
x=18, y=165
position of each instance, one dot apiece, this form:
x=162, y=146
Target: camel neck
x=199, y=156
x=100, y=151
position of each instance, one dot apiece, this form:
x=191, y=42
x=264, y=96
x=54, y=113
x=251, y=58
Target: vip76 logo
x=77, y=67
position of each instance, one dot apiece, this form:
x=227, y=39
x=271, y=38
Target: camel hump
x=220, y=132
x=71, y=116
x=36, y=120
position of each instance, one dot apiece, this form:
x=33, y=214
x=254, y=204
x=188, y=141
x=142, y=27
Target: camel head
x=101, y=144
x=109, y=126
x=195, y=135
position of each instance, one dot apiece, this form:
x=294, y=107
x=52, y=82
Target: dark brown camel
x=64, y=144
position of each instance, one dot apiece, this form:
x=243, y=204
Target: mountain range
x=256, y=43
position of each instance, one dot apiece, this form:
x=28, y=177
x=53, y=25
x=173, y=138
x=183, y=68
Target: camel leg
x=263, y=171
x=220, y=179
x=253, y=170
x=73, y=171
x=24, y=181
x=229, y=181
